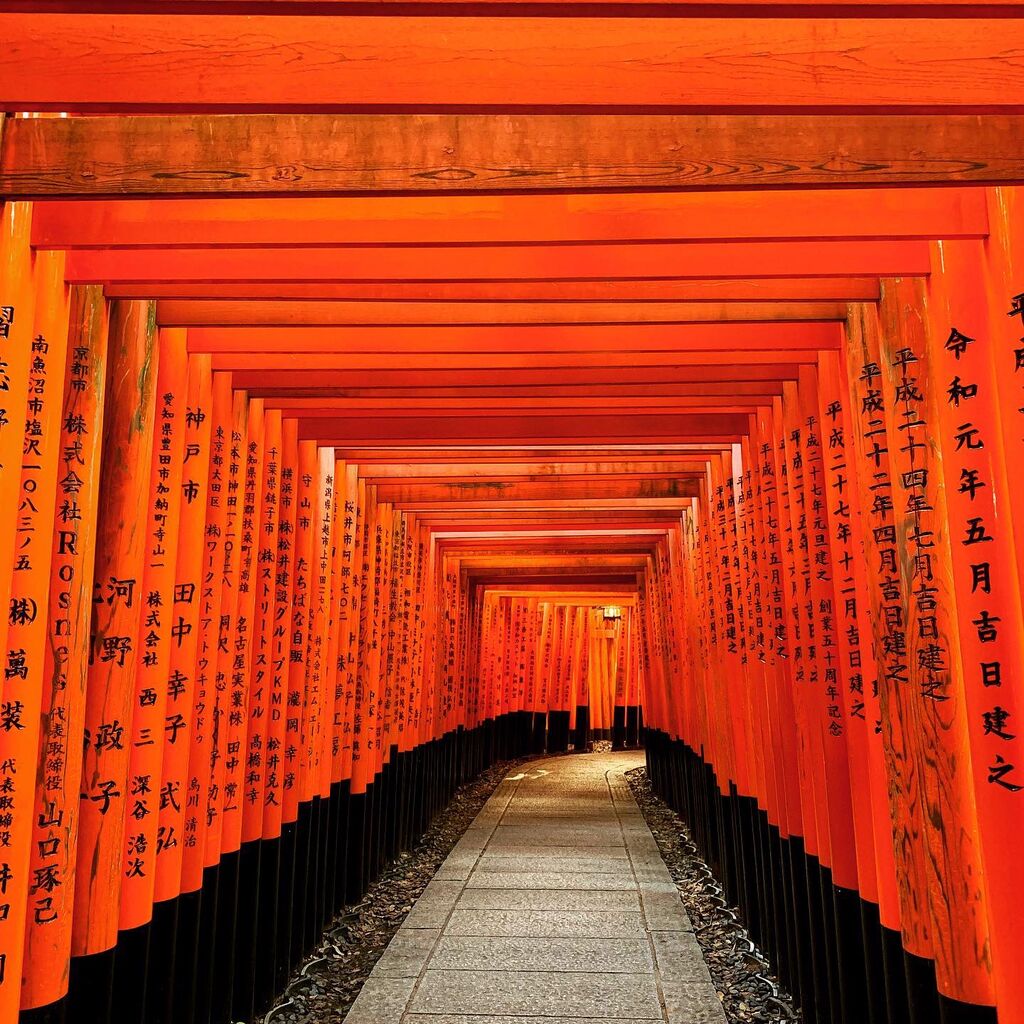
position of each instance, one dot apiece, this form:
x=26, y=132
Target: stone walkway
x=554, y=908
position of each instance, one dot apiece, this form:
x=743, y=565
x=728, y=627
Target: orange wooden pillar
x=117, y=620
x=986, y=590
x=183, y=706
x=17, y=324
x=273, y=960
x=959, y=926
x=197, y=901
x=66, y=661
x=149, y=698
x=27, y=630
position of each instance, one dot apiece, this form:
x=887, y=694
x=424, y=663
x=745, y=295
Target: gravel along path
x=749, y=991
x=327, y=984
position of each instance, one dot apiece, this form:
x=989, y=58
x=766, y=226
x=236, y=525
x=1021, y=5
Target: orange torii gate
x=356, y=368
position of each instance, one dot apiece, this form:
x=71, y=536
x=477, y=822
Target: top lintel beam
x=465, y=154
x=215, y=62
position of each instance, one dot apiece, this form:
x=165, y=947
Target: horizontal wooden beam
x=429, y=396
x=552, y=430
x=239, y=312
x=528, y=470
x=803, y=289
x=501, y=406
x=845, y=213
x=427, y=364
x=490, y=491
x=278, y=377
x=464, y=343
x=416, y=457
x=146, y=63
x=693, y=260
x=327, y=411
x=575, y=8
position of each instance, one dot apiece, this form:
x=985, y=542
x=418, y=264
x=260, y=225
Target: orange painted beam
x=441, y=430
x=696, y=261
x=823, y=289
x=408, y=494
x=87, y=62
x=326, y=414
x=480, y=341
x=500, y=405
x=409, y=472
x=505, y=460
x=280, y=376
x=579, y=8
x=277, y=362
x=239, y=312
x=429, y=397
x=494, y=220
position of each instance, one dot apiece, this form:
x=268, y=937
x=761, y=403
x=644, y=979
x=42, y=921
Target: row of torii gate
x=390, y=388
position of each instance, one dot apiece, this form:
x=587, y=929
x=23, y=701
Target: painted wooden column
x=27, y=887
x=66, y=652
x=986, y=586
x=116, y=638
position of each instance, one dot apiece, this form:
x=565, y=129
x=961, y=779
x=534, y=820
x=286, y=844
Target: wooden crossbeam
x=500, y=406
x=427, y=364
x=554, y=430
x=487, y=491
x=284, y=378
x=239, y=312
x=327, y=411
x=529, y=470
x=90, y=62
x=848, y=213
x=576, y=8
x=432, y=154
x=428, y=397
x=804, y=289
x=464, y=344
x=696, y=261
x=415, y=458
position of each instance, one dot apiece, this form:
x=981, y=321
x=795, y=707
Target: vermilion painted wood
x=457, y=345
x=577, y=8
x=426, y=362
x=455, y=220
x=694, y=260
x=233, y=313
x=287, y=381
x=329, y=412
x=402, y=494
x=86, y=62
x=721, y=427
x=582, y=397
x=606, y=290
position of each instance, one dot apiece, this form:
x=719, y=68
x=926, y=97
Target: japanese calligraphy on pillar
x=145, y=784
x=66, y=661
x=27, y=627
x=117, y=621
x=185, y=615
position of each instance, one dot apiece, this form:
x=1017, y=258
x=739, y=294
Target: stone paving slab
x=577, y=994
x=516, y=953
x=551, y=880
x=463, y=1018
x=601, y=923
x=589, y=863
x=555, y=907
x=576, y=900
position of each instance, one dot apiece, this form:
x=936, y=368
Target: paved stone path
x=554, y=908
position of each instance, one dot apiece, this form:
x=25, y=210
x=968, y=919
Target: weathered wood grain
x=320, y=154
